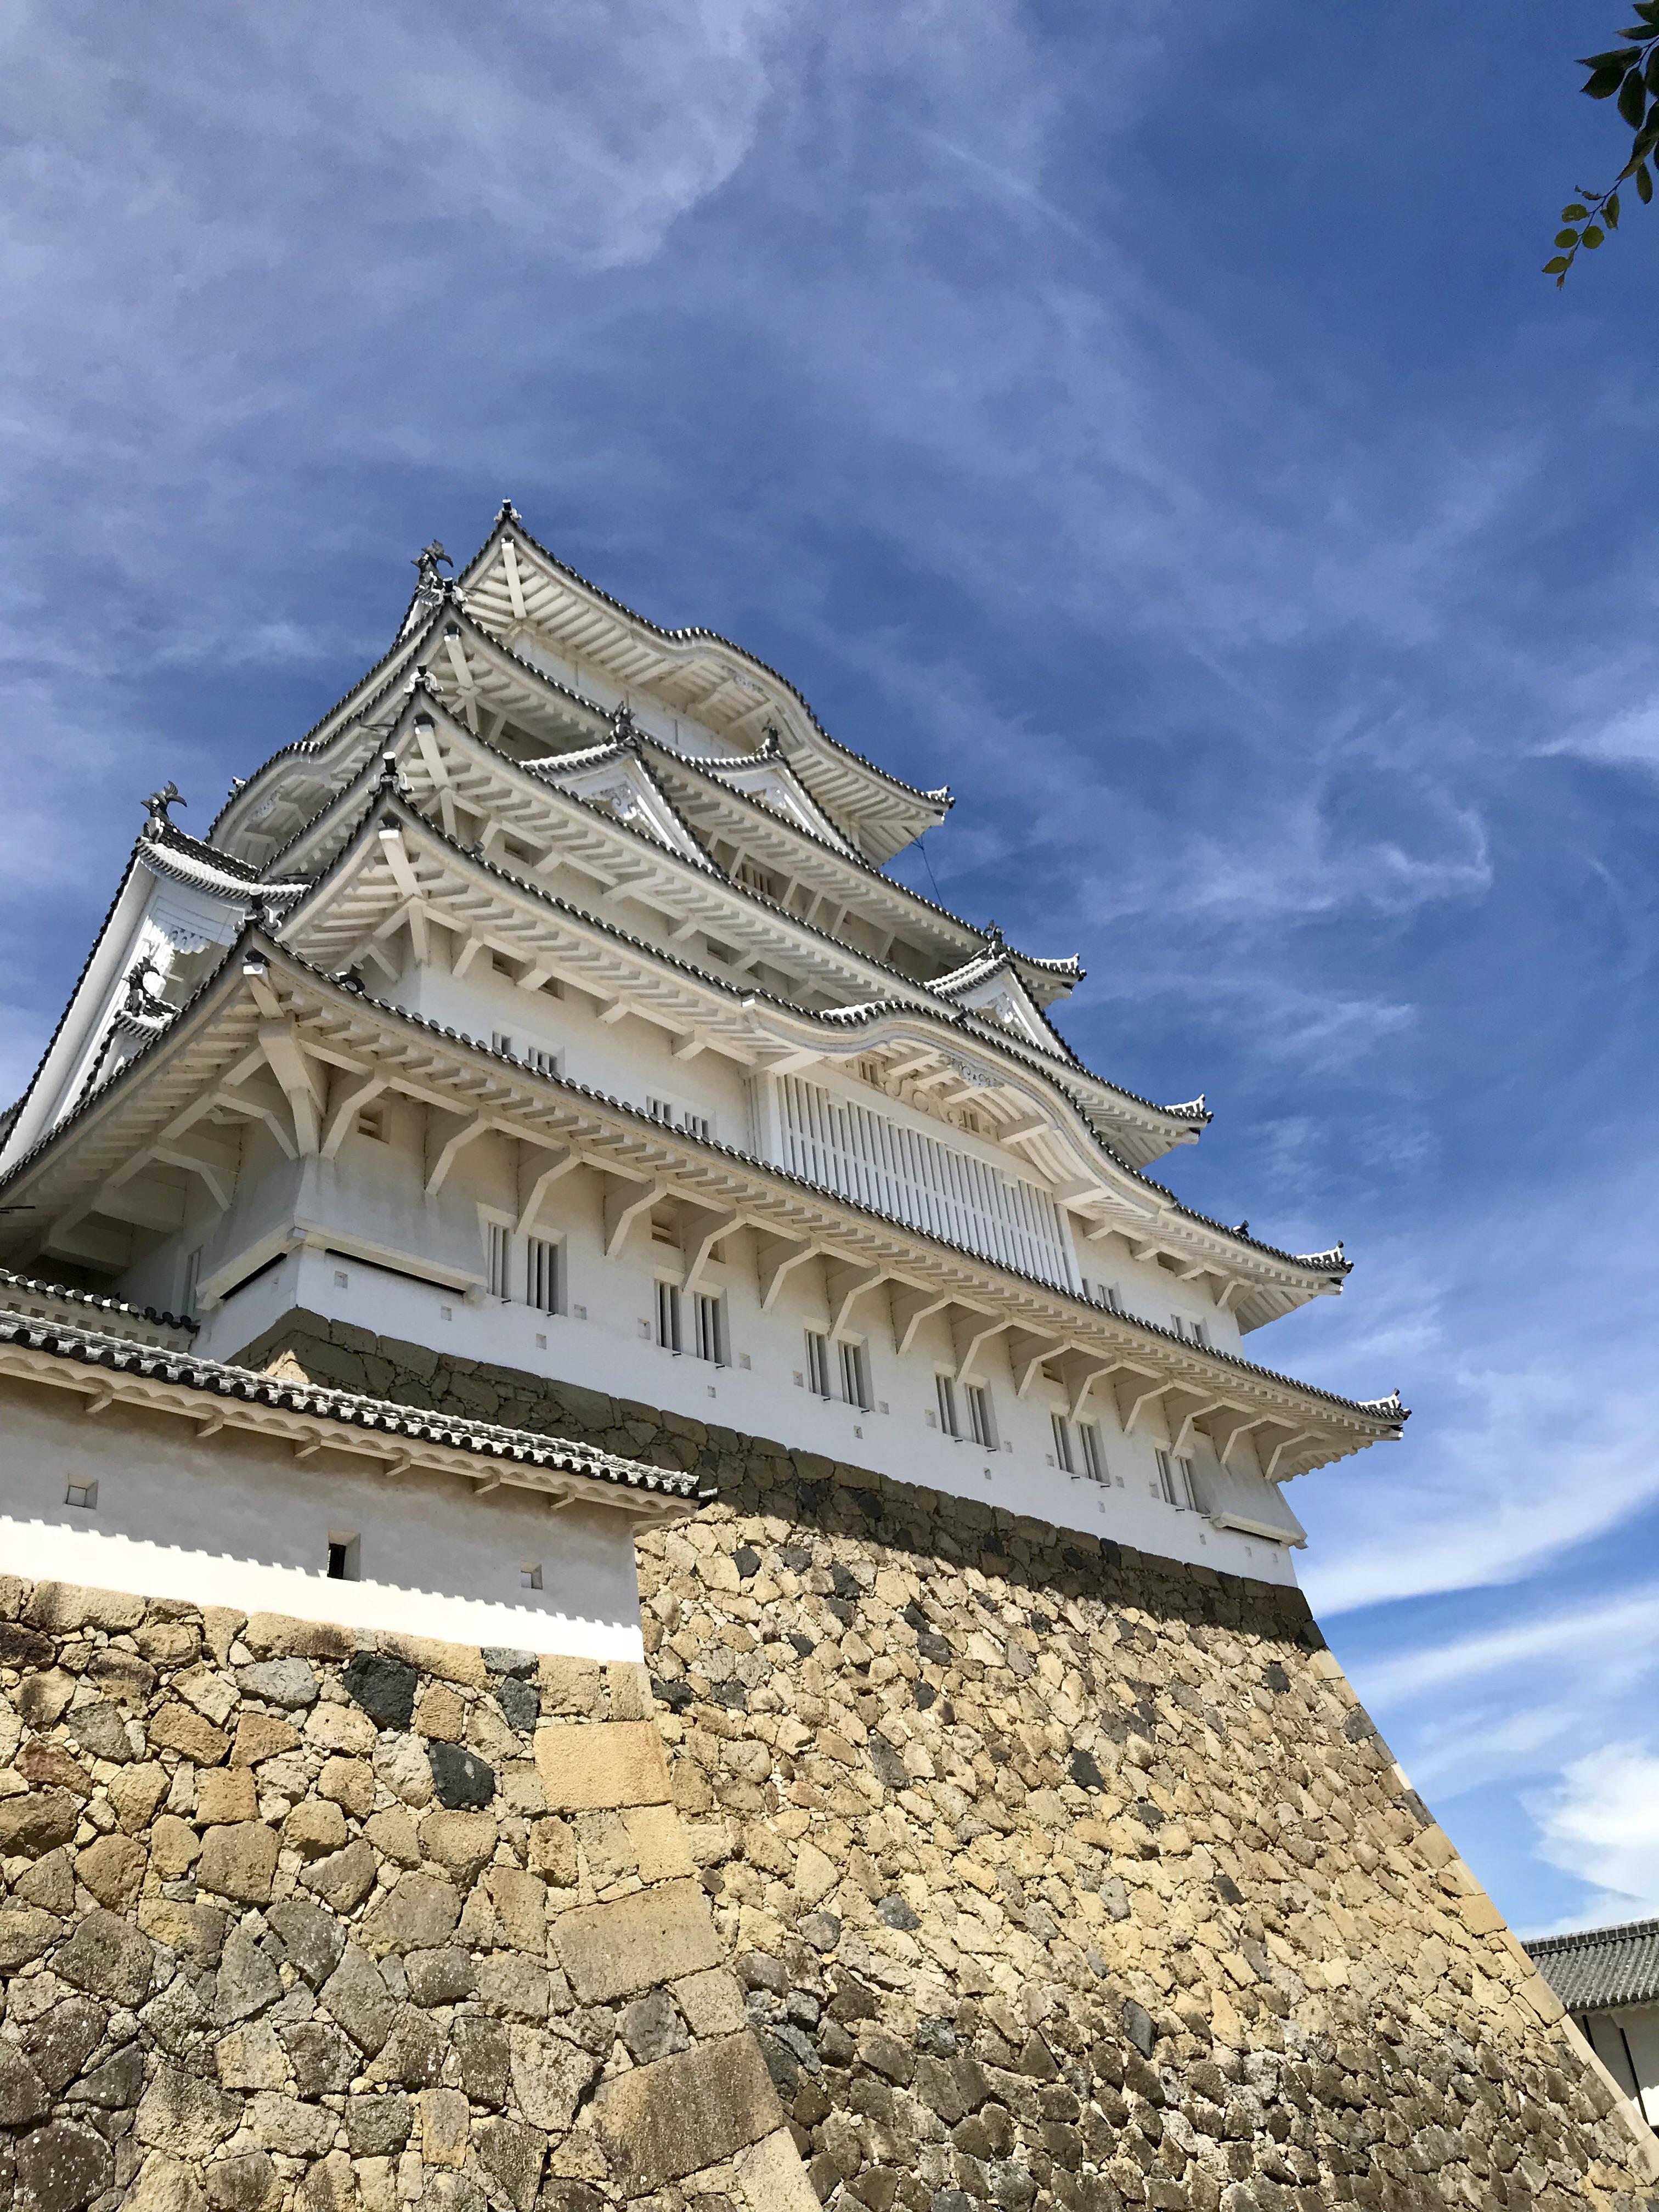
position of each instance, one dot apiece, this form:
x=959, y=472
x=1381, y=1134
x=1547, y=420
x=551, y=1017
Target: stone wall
x=1059, y=1875
x=297, y=1918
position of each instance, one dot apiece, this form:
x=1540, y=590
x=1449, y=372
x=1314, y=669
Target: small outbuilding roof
x=1600, y=1968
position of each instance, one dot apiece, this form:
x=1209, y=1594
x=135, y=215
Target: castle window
x=343, y=1563
x=544, y=1060
x=982, y=1420
x=543, y=1264
x=1176, y=1481
x=500, y=1261
x=709, y=1317
x=948, y=1420
x=1094, y=1455
x=1064, y=1457
x=192, y=1276
x=371, y=1123
x=501, y=1041
x=855, y=1376
x=818, y=1362
x=668, y=1317
x=697, y=1125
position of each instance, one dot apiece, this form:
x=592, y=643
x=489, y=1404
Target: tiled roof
x=482, y=1439
x=14, y=1286
x=1600, y=1967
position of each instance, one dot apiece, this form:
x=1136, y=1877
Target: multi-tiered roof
x=659, y=820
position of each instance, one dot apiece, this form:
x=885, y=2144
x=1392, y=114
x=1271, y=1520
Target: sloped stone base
x=1057, y=1874
x=297, y=1917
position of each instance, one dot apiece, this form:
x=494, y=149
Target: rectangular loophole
x=344, y=1559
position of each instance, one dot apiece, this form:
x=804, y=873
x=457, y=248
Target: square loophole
x=83, y=1496
x=529, y=1574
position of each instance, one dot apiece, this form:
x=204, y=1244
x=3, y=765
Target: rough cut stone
x=617, y=1949
x=290, y=1683
x=181, y=2113
x=344, y=1878
x=312, y=1939
x=419, y=1914
x=112, y=1868
x=549, y=2076
x=58, y=2044
x=239, y=1862
x=107, y=1959
x=38, y=1822
x=685, y=2112
x=592, y=1767
x=459, y=1776
x=359, y=2000
x=62, y=2166
x=513, y=2156
x=383, y=1687
x=245, y=2183
x=24, y=2096
x=247, y=1981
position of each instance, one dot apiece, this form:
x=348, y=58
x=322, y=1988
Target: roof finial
x=430, y=559
x=623, y=728
x=158, y=803
x=993, y=937
x=508, y=512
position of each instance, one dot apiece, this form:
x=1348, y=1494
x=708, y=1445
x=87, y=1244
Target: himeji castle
x=548, y=1004
x=644, y=1563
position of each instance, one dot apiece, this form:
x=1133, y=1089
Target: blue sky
x=1152, y=422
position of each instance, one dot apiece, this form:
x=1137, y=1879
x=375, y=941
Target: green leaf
x=1594, y=236
x=1651, y=72
x=1620, y=59
x=1633, y=100
x=1604, y=84
x=1575, y=211
x=1554, y=267
x=1644, y=185
x=1611, y=211
x=1643, y=31
x=1566, y=238
x=1649, y=10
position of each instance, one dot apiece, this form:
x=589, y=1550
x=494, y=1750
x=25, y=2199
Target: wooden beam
x=1027, y=1350
x=347, y=1102
x=775, y=1260
x=1224, y=1435
x=623, y=1208
x=1199, y=1412
x=452, y=1133
x=515, y=585
x=1287, y=1444
x=286, y=1055
x=913, y=1307
x=845, y=1286
x=535, y=1181
x=971, y=1336
x=1148, y=1394
x=703, y=1244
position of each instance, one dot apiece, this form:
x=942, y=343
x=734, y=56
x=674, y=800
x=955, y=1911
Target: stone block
x=107, y=1959
x=601, y=1766
x=245, y=2183
x=513, y=1987
x=277, y=1636
x=440, y=1978
x=174, y=1847
x=315, y=1829
x=568, y=1686
x=135, y=1795
x=631, y=1944
x=239, y=1862
x=196, y=1932
x=661, y=1845
x=26, y=1932
x=290, y=1682
x=62, y=2166
x=312, y=1939
x=260, y=1736
x=38, y=1822
x=520, y=1903
x=45, y=1766
x=553, y=1852
x=167, y=2185
x=385, y=1688
x=58, y=1608
x=376, y=2127
x=183, y=2114
x=343, y=1879
x=112, y=1868
x=355, y=1996
x=481, y=2052
x=99, y=1731
x=331, y=1728
x=450, y=1662
x=771, y=2178
x=224, y=1795
x=513, y=2156
x=439, y=1713
x=24, y=2097
x=711, y=2001
x=462, y=1843
x=459, y=1779
x=177, y=1727
x=247, y=1981
x=350, y=1784
x=288, y=2127
x=550, y=2076
x=445, y=2127
x=250, y=2058
x=418, y=1914
x=683, y=2113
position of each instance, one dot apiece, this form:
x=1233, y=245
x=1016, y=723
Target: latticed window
x=1174, y=1478
x=981, y=1419
x=948, y=1419
x=543, y=1258
x=1094, y=1454
x=668, y=1317
x=709, y=1318
x=1064, y=1456
x=501, y=1261
x=818, y=1362
x=856, y=1375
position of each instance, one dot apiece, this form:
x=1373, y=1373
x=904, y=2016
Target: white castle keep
x=547, y=1005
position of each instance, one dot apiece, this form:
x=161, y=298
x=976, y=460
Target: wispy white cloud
x=1601, y=1825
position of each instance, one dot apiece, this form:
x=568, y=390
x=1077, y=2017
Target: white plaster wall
x=609, y=1347
x=235, y=1520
